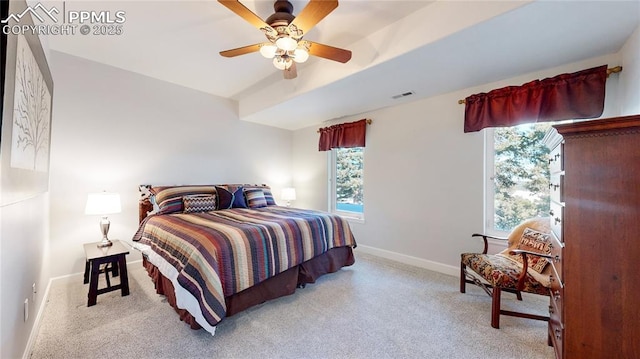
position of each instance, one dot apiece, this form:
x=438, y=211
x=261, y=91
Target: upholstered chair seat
x=502, y=272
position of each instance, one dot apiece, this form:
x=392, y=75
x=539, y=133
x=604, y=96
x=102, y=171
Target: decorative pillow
x=238, y=199
x=534, y=241
x=199, y=203
x=255, y=198
x=269, y=196
x=225, y=198
x=169, y=198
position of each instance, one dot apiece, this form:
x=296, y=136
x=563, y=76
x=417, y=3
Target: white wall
x=24, y=234
x=23, y=244
x=310, y=170
x=114, y=130
x=630, y=79
x=423, y=175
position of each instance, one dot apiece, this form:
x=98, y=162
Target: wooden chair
x=499, y=272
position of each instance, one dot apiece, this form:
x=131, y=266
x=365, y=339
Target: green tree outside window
x=349, y=179
x=521, y=181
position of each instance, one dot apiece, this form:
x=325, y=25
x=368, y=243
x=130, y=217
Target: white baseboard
x=410, y=260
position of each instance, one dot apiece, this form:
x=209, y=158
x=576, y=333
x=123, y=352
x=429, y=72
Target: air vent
x=402, y=95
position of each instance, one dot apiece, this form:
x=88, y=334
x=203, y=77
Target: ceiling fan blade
x=291, y=72
x=315, y=11
x=327, y=52
x=249, y=16
x=241, y=50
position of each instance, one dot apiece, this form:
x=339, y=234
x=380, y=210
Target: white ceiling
x=428, y=47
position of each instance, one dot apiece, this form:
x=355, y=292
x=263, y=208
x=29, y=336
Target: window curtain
x=563, y=97
x=344, y=135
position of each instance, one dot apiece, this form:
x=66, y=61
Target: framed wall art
x=25, y=140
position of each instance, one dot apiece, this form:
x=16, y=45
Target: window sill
x=350, y=218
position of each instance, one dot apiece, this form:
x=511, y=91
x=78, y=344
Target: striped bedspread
x=220, y=253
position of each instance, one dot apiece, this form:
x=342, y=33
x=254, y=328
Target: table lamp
x=102, y=204
x=289, y=194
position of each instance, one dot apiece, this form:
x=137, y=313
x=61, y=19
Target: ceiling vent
x=402, y=95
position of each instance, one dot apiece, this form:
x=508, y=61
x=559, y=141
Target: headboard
x=146, y=202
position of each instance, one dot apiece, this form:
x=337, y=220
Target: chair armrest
x=550, y=258
x=525, y=264
x=524, y=253
x=484, y=238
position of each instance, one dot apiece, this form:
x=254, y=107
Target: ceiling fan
x=285, y=31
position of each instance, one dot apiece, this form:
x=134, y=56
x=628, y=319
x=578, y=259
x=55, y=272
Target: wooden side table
x=115, y=262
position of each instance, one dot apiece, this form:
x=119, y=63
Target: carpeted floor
x=373, y=309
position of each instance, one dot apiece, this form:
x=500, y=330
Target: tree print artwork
x=32, y=113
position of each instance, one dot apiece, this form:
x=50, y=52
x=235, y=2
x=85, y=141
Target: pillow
x=238, y=199
x=534, y=241
x=225, y=198
x=540, y=224
x=269, y=197
x=255, y=198
x=169, y=198
x=199, y=203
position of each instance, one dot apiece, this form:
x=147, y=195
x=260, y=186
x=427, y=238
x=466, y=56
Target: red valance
x=344, y=135
x=563, y=97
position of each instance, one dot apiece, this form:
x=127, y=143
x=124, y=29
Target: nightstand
x=114, y=261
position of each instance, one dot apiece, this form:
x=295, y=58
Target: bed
x=215, y=250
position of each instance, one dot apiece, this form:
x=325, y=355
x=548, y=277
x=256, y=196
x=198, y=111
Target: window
x=346, y=182
x=517, y=176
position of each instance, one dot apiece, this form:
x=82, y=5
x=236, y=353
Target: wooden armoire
x=595, y=210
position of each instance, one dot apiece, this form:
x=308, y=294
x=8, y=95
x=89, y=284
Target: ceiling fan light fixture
x=286, y=43
x=282, y=62
x=300, y=55
x=284, y=32
x=268, y=50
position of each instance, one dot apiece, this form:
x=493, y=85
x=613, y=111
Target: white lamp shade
x=289, y=194
x=103, y=203
x=286, y=43
x=268, y=51
x=300, y=55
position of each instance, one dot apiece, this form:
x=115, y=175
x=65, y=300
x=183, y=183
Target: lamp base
x=104, y=228
x=105, y=243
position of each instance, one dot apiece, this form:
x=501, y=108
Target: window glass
x=517, y=176
x=347, y=181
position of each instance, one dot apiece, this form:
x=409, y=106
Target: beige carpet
x=373, y=309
